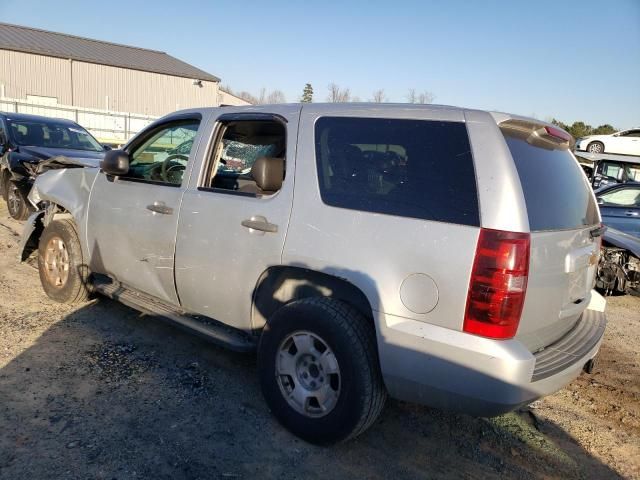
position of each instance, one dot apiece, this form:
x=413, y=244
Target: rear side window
x=556, y=191
x=410, y=168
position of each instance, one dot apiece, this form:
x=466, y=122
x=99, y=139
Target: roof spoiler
x=538, y=134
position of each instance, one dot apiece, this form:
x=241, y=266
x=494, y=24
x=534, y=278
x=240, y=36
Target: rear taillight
x=498, y=284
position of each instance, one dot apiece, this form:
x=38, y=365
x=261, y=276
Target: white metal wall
x=22, y=74
x=88, y=85
x=113, y=88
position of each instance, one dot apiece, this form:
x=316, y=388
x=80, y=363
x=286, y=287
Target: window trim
x=150, y=131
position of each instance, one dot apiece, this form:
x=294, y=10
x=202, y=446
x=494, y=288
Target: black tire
x=4, y=184
x=351, y=338
x=595, y=147
x=75, y=287
x=17, y=203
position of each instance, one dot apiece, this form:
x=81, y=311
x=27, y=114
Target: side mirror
x=106, y=147
x=115, y=162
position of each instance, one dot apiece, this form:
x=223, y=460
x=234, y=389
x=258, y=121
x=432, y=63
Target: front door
x=133, y=218
x=234, y=218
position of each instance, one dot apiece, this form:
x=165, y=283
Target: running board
x=210, y=329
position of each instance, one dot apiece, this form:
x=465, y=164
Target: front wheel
x=595, y=147
x=17, y=203
x=63, y=272
x=319, y=370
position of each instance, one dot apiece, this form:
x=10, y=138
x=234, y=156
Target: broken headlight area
x=618, y=271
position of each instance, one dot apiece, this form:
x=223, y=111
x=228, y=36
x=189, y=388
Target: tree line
x=580, y=129
x=335, y=94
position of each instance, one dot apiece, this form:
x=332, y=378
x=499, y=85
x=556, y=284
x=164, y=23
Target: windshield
x=52, y=134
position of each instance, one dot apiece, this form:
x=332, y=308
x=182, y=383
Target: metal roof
x=43, y=42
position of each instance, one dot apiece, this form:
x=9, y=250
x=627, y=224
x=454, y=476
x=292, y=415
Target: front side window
x=52, y=134
x=163, y=156
x=410, y=168
x=622, y=197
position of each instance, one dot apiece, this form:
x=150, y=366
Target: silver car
x=434, y=254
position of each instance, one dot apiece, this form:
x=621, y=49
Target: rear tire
x=17, y=203
x=338, y=377
x=63, y=272
x=595, y=147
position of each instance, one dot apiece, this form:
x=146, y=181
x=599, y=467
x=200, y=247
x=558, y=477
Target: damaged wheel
x=319, y=370
x=17, y=203
x=63, y=272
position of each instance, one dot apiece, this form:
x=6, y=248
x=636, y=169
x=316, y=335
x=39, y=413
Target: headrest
x=268, y=173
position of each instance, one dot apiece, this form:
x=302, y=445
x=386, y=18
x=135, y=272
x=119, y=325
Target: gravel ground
x=100, y=391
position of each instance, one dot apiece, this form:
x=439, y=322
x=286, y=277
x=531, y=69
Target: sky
x=571, y=60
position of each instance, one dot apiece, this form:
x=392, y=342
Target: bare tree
x=248, y=97
x=276, y=96
x=337, y=94
x=423, y=97
x=262, y=96
x=379, y=96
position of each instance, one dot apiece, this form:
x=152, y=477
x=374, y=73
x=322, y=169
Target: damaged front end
x=619, y=266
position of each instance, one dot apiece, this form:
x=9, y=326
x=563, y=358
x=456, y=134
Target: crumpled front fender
x=30, y=235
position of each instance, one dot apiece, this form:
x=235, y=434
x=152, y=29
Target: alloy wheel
x=308, y=374
x=56, y=262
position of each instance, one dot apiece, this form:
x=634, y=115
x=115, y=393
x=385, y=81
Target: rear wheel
x=319, y=370
x=595, y=147
x=63, y=272
x=17, y=203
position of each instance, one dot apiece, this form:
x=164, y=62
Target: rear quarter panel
x=377, y=252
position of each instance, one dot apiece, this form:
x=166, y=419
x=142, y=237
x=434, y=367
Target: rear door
x=231, y=230
x=620, y=208
x=562, y=213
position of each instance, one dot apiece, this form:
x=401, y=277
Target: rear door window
x=411, y=168
x=556, y=191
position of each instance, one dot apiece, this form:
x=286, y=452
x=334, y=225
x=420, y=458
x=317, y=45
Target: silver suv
x=435, y=254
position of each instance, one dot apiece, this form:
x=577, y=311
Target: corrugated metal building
x=51, y=69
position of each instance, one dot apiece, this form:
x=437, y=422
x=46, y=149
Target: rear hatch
x=563, y=215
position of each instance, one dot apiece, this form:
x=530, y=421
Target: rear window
x=556, y=191
x=410, y=168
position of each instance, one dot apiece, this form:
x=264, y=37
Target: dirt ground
x=99, y=391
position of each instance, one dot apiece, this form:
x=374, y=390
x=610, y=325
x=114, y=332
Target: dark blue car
x=28, y=140
x=620, y=207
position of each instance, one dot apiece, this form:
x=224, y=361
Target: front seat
x=268, y=173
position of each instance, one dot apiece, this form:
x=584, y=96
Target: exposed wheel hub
x=13, y=200
x=308, y=374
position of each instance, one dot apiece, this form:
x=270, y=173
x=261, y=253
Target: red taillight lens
x=498, y=284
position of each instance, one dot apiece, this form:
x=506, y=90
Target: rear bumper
x=431, y=365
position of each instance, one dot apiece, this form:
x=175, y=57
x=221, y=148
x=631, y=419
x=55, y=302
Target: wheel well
x=278, y=286
x=52, y=212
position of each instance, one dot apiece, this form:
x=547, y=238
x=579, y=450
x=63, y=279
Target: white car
x=626, y=142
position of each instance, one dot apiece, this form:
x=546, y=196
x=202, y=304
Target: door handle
x=260, y=223
x=160, y=207
x=631, y=213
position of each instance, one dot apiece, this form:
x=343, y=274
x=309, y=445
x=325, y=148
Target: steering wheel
x=166, y=168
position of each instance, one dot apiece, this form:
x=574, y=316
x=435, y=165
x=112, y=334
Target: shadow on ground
x=106, y=393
